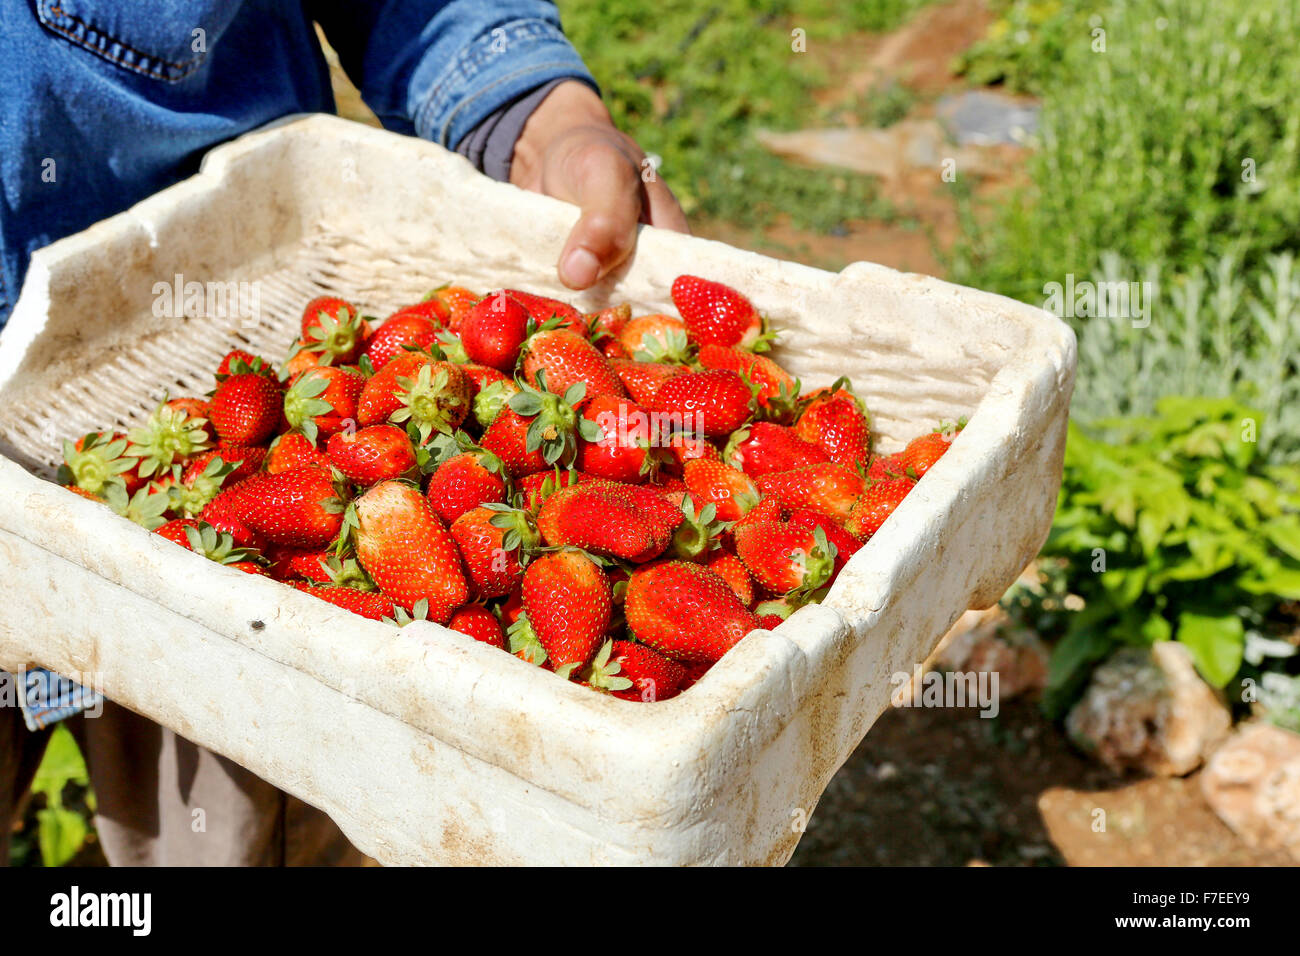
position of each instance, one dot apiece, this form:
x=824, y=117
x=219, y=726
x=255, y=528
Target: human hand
x=570, y=149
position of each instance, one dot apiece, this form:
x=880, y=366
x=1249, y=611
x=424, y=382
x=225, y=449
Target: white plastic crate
x=425, y=746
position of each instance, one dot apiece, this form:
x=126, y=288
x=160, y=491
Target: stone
x=985, y=641
x=1149, y=711
x=1253, y=783
x=985, y=118
x=889, y=153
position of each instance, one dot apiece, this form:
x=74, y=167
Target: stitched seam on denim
x=157, y=73
x=469, y=64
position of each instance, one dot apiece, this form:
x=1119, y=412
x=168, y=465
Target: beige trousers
x=164, y=801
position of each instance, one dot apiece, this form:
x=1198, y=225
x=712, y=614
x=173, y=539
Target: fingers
x=606, y=184
x=662, y=208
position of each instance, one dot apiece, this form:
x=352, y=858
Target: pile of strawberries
x=618, y=499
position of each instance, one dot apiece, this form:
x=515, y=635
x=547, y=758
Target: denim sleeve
x=439, y=68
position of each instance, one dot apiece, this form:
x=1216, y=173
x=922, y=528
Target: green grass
x=692, y=82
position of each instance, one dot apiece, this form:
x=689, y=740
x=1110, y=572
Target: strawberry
x=478, y=622
x=772, y=614
x=369, y=604
x=491, y=398
x=786, y=558
x=372, y=454
x=299, y=361
x=458, y=301
x=464, y=481
x=642, y=379
x=407, y=550
x=716, y=314
x=836, y=420
x=632, y=671
x=535, y=488
x=655, y=338
x=538, y=429
x=732, y=570
x=697, y=535
x=846, y=545
x=493, y=330
x=298, y=508
x=201, y=538
x=730, y=491
x=332, y=329
x=887, y=466
x=293, y=450
x=246, y=408
x=205, y=476
x=568, y=359
x=542, y=309
x=876, y=504
x=603, y=328
x=429, y=394
x=694, y=671
x=922, y=452
x=602, y=518
x=685, y=611
x=713, y=403
x=764, y=447
x=776, y=390
x=827, y=487
x=191, y=407
x=312, y=564
x=172, y=436
x=568, y=602
x=490, y=542
x=245, y=461
x=175, y=530
x=323, y=401
x=484, y=376
x=625, y=451
x=98, y=460
x=404, y=327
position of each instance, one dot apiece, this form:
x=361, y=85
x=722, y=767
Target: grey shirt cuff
x=490, y=146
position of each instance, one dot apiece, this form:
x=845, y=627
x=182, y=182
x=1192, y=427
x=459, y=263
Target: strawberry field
x=569, y=515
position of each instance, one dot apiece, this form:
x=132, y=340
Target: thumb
x=607, y=187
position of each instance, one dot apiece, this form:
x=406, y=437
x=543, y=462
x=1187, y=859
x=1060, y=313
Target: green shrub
x=1168, y=527
x=1180, y=144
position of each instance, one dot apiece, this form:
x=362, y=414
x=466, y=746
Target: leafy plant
x=1169, y=527
x=61, y=830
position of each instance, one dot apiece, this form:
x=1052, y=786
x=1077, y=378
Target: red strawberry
x=876, y=504
x=205, y=476
x=174, y=530
x=191, y=407
x=716, y=314
x=245, y=462
x=537, y=430
x=323, y=401
x=655, y=338
x=846, y=545
x=633, y=671
x=764, y=447
x=399, y=330
x=568, y=602
x=293, y=450
x=712, y=404
x=542, y=309
x=408, y=551
x=298, y=508
x=490, y=542
x=602, y=518
x=371, y=455
x=202, y=538
x=829, y=488
x=535, y=488
x=417, y=389
x=464, y=481
x=685, y=611
x=785, y=558
x=732, y=570
x=837, y=421
x=730, y=491
x=479, y=623
x=370, y=604
x=922, y=452
x=626, y=449
x=604, y=327
x=246, y=408
x=642, y=379
x=309, y=563
x=458, y=301
x=777, y=389
x=887, y=466
x=567, y=359
x=493, y=330
x=333, y=331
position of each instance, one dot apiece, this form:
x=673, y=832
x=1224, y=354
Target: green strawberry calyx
x=523, y=642
x=101, y=462
x=428, y=402
x=303, y=402
x=335, y=336
x=698, y=534
x=603, y=674
x=169, y=435
x=555, y=423
x=216, y=545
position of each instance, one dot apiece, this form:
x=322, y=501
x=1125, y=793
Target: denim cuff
x=47, y=698
x=495, y=70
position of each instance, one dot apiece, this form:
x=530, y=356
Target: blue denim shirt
x=107, y=101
